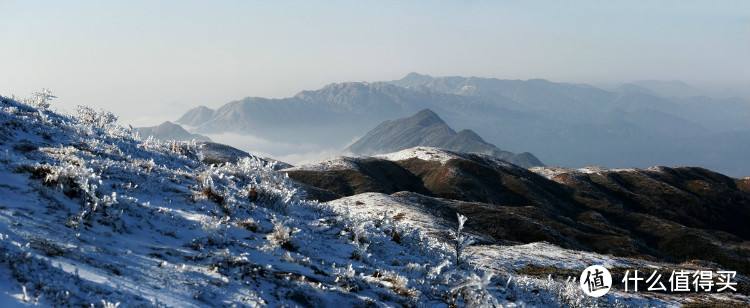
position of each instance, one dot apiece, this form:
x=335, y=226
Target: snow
x=339, y=163
x=442, y=156
x=146, y=223
x=91, y=215
x=423, y=153
x=551, y=172
x=542, y=254
x=502, y=261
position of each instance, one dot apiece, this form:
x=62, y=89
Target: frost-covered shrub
x=568, y=293
x=360, y=251
x=358, y=238
x=40, y=99
x=147, y=164
x=185, y=148
x=102, y=124
x=275, y=189
x=215, y=228
x=280, y=236
x=99, y=119
x=111, y=211
x=106, y=304
x=397, y=283
x=76, y=180
x=345, y=277
x=436, y=270
x=73, y=178
x=207, y=189
x=475, y=291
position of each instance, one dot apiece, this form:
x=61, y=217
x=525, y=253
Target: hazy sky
x=151, y=60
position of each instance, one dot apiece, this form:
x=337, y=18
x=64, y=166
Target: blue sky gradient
x=151, y=60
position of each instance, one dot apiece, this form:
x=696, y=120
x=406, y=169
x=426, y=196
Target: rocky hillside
x=667, y=214
x=426, y=128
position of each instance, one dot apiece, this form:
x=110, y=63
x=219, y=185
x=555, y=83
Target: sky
x=150, y=61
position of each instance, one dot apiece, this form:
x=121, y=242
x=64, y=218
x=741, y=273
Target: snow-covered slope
x=442, y=156
x=338, y=163
x=91, y=216
x=423, y=153
x=411, y=219
x=430, y=154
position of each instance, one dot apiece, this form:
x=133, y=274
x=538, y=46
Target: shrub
x=41, y=99
x=475, y=291
x=208, y=190
x=398, y=284
x=100, y=119
x=280, y=236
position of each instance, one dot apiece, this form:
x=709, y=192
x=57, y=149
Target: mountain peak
x=427, y=129
x=196, y=116
x=416, y=77
x=170, y=124
x=426, y=117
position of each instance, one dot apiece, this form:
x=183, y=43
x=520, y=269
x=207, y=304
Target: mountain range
x=563, y=124
x=426, y=128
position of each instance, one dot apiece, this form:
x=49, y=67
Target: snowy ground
x=551, y=172
x=89, y=215
x=423, y=153
x=338, y=163
x=439, y=155
x=506, y=263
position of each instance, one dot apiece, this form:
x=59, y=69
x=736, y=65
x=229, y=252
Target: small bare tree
x=461, y=241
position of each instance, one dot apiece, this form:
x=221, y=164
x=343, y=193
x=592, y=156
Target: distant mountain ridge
x=426, y=128
x=170, y=131
x=563, y=124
